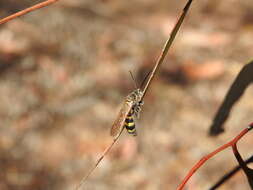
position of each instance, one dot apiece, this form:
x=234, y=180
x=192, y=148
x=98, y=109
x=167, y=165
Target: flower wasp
x=130, y=110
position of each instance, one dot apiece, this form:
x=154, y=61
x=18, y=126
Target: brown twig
x=248, y=171
x=167, y=46
x=25, y=11
x=98, y=161
x=207, y=157
x=158, y=63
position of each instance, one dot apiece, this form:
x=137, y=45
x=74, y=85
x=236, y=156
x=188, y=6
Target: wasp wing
x=119, y=122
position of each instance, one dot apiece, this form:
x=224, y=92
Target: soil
x=64, y=73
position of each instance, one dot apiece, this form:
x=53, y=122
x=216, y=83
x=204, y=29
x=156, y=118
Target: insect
x=130, y=110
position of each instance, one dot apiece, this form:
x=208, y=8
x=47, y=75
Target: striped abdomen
x=129, y=123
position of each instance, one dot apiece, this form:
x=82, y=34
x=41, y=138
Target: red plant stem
x=25, y=11
x=207, y=157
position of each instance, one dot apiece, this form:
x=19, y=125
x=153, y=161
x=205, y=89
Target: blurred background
x=64, y=72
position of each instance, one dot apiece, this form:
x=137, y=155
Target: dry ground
x=64, y=72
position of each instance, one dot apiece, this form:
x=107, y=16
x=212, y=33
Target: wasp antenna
x=145, y=78
x=135, y=84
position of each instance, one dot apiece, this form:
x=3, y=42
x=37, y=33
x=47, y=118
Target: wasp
x=130, y=109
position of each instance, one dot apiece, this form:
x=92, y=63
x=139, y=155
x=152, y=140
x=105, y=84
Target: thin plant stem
x=98, y=161
x=230, y=174
x=27, y=10
x=167, y=46
x=207, y=157
x=248, y=172
x=158, y=63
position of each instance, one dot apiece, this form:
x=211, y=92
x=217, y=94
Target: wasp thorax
x=135, y=96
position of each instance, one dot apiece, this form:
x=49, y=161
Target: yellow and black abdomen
x=129, y=123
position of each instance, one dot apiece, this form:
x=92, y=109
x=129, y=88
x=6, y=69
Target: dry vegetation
x=64, y=72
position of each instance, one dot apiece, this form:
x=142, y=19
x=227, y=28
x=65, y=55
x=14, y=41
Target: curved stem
x=25, y=11
x=207, y=157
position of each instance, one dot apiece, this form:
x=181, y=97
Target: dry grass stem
x=158, y=63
